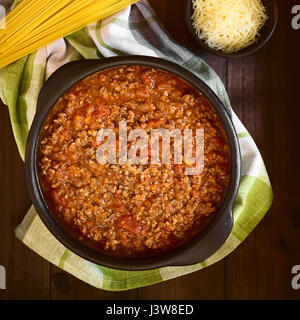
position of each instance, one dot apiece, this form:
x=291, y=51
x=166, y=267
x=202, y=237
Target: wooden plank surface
x=264, y=92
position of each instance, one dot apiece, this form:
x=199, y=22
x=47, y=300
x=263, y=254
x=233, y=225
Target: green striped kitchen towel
x=134, y=30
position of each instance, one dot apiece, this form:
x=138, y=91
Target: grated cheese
x=229, y=25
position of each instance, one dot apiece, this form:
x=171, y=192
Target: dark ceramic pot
x=198, y=249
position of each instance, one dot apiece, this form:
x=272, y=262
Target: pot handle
x=208, y=242
x=55, y=86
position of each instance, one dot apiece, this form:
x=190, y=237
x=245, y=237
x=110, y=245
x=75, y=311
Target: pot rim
x=202, y=246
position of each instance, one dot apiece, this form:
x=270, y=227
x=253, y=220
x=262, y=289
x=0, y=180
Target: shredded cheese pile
x=229, y=25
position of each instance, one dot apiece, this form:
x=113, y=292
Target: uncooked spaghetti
x=33, y=24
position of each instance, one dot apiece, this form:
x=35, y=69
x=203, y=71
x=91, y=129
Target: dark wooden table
x=265, y=93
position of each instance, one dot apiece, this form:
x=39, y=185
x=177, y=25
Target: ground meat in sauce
x=131, y=210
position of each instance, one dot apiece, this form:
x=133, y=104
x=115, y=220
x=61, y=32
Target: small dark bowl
x=202, y=246
x=265, y=33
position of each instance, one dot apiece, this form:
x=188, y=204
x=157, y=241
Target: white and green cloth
x=134, y=30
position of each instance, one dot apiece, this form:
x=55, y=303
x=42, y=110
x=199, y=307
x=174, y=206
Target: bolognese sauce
x=131, y=210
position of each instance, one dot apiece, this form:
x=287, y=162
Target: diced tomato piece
x=78, y=121
x=225, y=168
x=142, y=93
x=68, y=124
x=66, y=134
x=164, y=86
x=128, y=223
x=177, y=169
x=99, y=102
x=218, y=141
x=88, y=108
x=54, y=194
x=147, y=79
x=101, y=112
x=66, y=202
x=119, y=207
x=156, y=123
x=117, y=196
